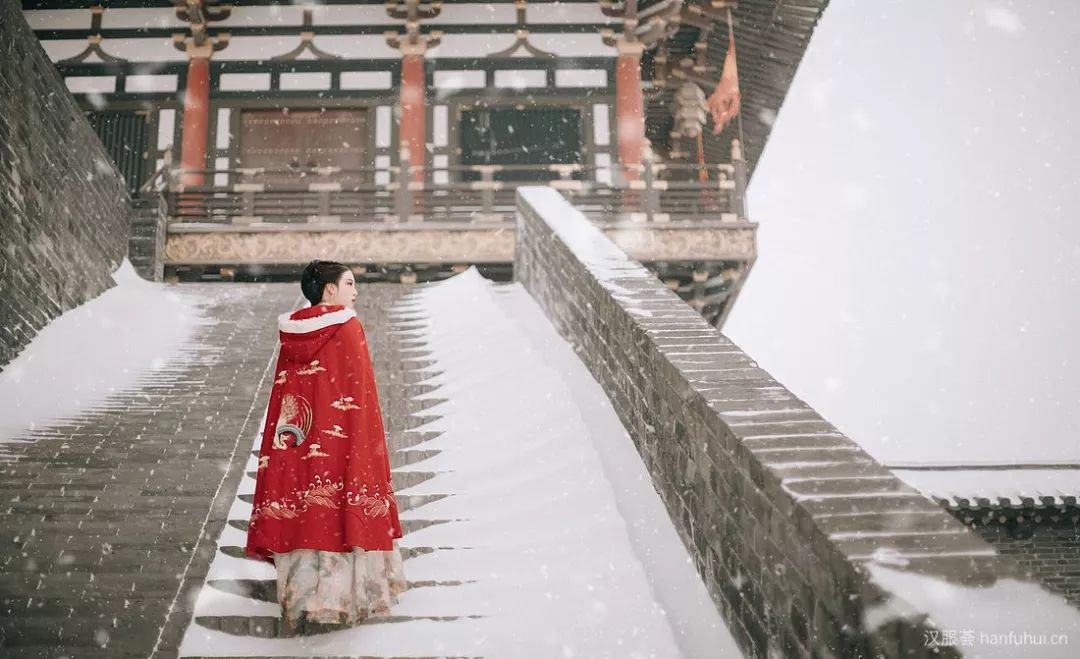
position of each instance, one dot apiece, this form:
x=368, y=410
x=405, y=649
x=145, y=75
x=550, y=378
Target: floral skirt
x=338, y=588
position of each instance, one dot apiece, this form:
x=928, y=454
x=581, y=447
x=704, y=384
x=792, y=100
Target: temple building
x=392, y=135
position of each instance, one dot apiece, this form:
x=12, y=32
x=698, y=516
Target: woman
x=324, y=511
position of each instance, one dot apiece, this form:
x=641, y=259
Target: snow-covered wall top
x=805, y=542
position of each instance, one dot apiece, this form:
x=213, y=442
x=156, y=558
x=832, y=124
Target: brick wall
x=1049, y=550
x=63, y=205
x=780, y=511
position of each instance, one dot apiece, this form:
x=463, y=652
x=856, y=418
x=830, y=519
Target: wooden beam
x=331, y=30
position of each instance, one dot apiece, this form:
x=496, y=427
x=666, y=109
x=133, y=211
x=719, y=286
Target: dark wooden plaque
x=287, y=139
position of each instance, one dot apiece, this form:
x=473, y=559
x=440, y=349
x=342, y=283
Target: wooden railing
x=480, y=193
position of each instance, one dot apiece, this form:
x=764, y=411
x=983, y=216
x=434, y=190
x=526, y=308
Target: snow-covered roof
x=995, y=486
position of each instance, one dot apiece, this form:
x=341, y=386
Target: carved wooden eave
x=198, y=14
x=412, y=41
x=307, y=41
x=647, y=27
x=185, y=43
x=93, y=42
x=522, y=35
x=705, y=15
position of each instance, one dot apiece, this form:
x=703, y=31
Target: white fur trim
x=305, y=325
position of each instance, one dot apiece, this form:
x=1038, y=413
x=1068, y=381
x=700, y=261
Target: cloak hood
x=305, y=331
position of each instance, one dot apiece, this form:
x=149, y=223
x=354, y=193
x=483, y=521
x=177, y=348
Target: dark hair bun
x=317, y=275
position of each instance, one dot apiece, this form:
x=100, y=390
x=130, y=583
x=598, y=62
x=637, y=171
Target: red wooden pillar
x=629, y=106
x=413, y=133
x=196, y=118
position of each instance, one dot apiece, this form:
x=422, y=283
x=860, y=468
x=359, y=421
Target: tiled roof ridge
x=998, y=486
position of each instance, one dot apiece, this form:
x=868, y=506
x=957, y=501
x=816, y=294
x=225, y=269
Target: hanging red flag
x=725, y=99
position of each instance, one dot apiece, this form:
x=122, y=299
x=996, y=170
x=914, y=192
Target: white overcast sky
x=919, y=272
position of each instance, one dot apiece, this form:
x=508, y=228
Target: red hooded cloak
x=324, y=475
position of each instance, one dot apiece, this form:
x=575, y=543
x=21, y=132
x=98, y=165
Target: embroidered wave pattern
x=373, y=506
x=326, y=494
x=323, y=494
x=319, y=493
x=278, y=510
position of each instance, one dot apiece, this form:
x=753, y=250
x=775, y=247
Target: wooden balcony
x=689, y=226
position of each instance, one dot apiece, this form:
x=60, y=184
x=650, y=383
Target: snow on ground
x=94, y=350
x=552, y=514
x=982, y=622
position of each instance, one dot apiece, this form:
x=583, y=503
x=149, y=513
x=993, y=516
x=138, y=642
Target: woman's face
x=343, y=292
